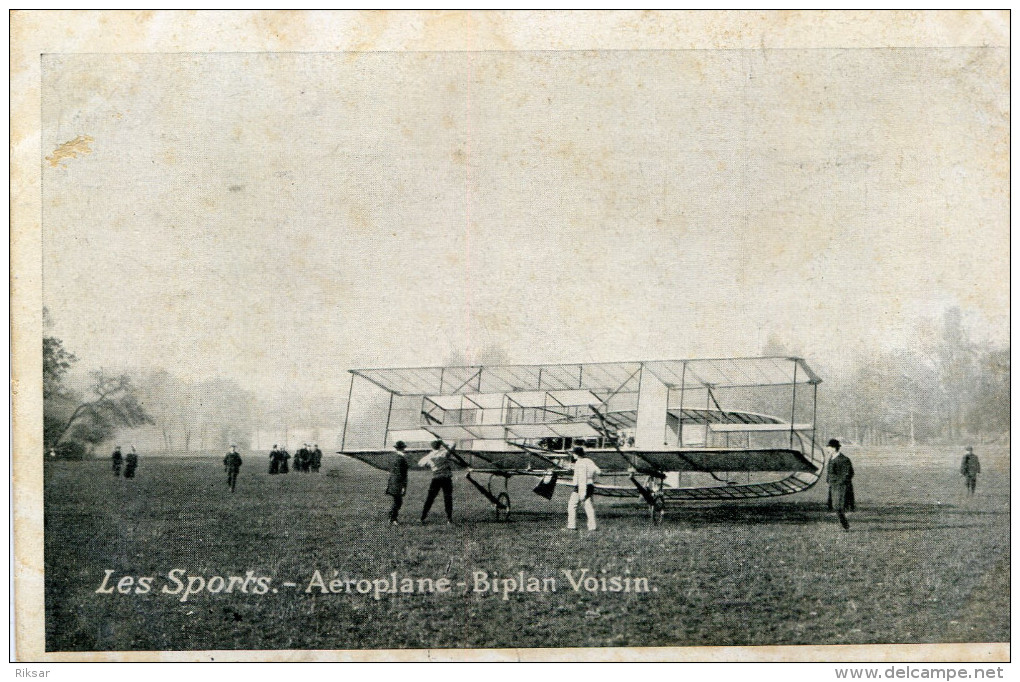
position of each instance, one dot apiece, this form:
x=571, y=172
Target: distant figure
x=117, y=458
x=274, y=460
x=969, y=469
x=301, y=459
x=585, y=471
x=442, y=479
x=316, y=458
x=284, y=456
x=232, y=465
x=841, y=473
x=130, y=463
x=396, y=487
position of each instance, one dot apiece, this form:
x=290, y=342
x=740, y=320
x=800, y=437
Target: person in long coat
x=396, y=486
x=274, y=460
x=130, y=463
x=117, y=459
x=970, y=467
x=840, y=475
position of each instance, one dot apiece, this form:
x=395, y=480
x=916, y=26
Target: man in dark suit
x=841, y=473
x=396, y=487
x=232, y=465
x=274, y=460
x=117, y=458
x=969, y=469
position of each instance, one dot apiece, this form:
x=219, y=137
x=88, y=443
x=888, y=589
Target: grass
x=921, y=563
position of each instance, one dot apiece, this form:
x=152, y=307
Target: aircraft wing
x=383, y=459
x=508, y=460
x=501, y=460
x=725, y=459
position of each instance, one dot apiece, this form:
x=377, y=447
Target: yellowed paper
x=236, y=208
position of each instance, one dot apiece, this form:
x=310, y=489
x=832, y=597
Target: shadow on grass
x=898, y=517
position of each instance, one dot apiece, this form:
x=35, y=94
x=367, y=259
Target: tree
x=56, y=362
x=114, y=405
x=58, y=399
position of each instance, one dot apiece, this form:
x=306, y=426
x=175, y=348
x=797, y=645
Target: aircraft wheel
x=657, y=510
x=502, y=507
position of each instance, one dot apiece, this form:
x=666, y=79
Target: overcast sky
x=278, y=219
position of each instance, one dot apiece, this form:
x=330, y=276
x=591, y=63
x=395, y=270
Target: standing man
x=274, y=460
x=969, y=469
x=442, y=479
x=117, y=458
x=840, y=477
x=585, y=471
x=316, y=458
x=284, y=456
x=130, y=463
x=232, y=464
x=396, y=487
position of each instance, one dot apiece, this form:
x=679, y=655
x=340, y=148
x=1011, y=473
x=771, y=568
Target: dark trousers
x=398, y=500
x=838, y=495
x=274, y=466
x=446, y=485
x=116, y=468
x=129, y=471
x=232, y=479
x=971, y=484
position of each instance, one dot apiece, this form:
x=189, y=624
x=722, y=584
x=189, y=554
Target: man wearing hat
x=585, y=471
x=396, y=487
x=969, y=469
x=841, y=473
x=274, y=460
x=442, y=479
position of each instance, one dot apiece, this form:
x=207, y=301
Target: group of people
x=306, y=459
x=439, y=460
x=129, y=462
x=840, y=478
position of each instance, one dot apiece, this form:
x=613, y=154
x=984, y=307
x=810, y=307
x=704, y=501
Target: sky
x=280, y=218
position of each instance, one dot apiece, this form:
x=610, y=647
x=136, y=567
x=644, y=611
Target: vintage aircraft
x=663, y=431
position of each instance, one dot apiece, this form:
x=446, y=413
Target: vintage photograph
x=562, y=349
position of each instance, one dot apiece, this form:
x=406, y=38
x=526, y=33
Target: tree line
x=946, y=388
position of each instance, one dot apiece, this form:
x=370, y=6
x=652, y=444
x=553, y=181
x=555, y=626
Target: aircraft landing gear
x=501, y=501
x=502, y=507
x=651, y=493
x=657, y=509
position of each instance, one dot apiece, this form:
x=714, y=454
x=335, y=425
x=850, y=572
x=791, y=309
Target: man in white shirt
x=585, y=471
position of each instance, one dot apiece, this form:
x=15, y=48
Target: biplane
x=664, y=432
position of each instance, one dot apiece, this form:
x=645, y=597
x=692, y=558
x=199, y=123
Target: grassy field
x=921, y=563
